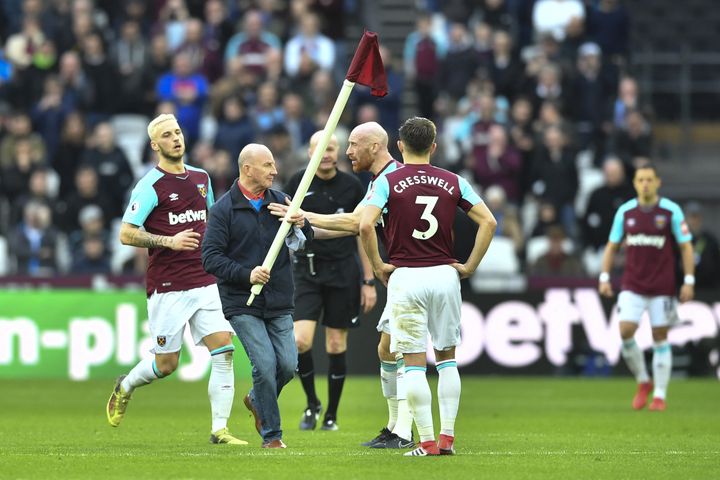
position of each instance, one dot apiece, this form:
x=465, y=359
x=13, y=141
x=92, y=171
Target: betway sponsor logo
x=188, y=216
x=642, y=240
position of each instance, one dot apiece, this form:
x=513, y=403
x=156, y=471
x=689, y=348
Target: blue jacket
x=236, y=240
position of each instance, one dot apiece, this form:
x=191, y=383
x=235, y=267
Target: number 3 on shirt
x=429, y=202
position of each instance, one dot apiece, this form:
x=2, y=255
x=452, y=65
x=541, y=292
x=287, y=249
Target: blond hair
x=152, y=127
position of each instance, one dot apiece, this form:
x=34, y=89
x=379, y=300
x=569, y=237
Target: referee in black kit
x=328, y=283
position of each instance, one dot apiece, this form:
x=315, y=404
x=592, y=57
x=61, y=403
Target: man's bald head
x=371, y=132
x=252, y=153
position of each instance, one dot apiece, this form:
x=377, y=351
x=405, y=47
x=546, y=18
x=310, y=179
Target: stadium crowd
x=533, y=100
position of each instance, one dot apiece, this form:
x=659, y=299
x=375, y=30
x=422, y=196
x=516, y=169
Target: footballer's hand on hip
x=687, y=293
x=605, y=289
x=462, y=269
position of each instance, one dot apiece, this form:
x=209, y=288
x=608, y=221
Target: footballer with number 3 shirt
x=171, y=203
x=650, y=225
x=422, y=276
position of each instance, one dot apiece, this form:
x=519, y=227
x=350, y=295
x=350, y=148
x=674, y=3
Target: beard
x=172, y=154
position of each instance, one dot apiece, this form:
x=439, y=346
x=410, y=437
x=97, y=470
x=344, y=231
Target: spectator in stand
x=91, y=224
x=483, y=43
x=287, y=160
x=555, y=176
x=158, y=64
x=705, y=247
x=34, y=241
x=75, y=82
x=134, y=11
x=562, y=19
x=49, y=113
x=460, y=63
x=608, y=25
x=505, y=69
x=508, y=223
x=38, y=190
x=171, y=21
x=547, y=215
x=422, y=56
x=109, y=161
x=634, y=140
x=19, y=50
x=69, y=151
x=93, y=257
x=188, y=90
x=20, y=129
x=87, y=192
x=591, y=94
x=557, y=262
x=628, y=98
x=484, y=111
x=522, y=137
x=235, y=128
x=308, y=50
x=267, y=113
x=237, y=81
x=102, y=78
x=548, y=87
x=498, y=163
x=604, y=202
x=299, y=125
x=496, y=13
x=252, y=45
x=550, y=116
x=218, y=29
x=203, y=59
x=131, y=55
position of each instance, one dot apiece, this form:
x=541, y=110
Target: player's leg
x=304, y=334
x=663, y=314
x=444, y=327
x=221, y=386
x=630, y=308
x=408, y=291
x=280, y=333
x=308, y=306
x=336, y=346
x=209, y=327
x=388, y=375
x=167, y=324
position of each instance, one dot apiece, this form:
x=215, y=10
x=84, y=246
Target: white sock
x=448, y=390
x=403, y=425
x=635, y=360
x=388, y=381
x=420, y=401
x=221, y=387
x=143, y=373
x=662, y=368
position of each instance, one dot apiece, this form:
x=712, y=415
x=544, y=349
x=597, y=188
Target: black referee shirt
x=340, y=194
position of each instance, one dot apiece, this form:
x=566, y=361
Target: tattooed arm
x=132, y=235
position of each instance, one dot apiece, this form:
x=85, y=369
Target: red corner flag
x=366, y=67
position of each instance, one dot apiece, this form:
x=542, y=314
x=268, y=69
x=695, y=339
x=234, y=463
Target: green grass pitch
x=507, y=428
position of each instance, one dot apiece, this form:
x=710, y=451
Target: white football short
x=662, y=309
x=424, y=300
x=169, y=312
x=383, y=325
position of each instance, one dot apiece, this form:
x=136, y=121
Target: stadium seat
x=589, y=180
x=131, y=136
x=4, y=256
x=500, y=258
x=536, y=247
x=120, y=253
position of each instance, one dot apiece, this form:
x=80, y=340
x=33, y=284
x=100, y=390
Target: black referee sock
x=336, y=379
x=306, y=372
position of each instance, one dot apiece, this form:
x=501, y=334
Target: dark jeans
x=270, y=346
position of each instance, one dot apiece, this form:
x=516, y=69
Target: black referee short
x=332, y=295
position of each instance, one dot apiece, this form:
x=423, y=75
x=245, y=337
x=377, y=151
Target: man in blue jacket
x=239, y=233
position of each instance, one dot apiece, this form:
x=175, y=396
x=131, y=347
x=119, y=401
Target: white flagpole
x=305, y=182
